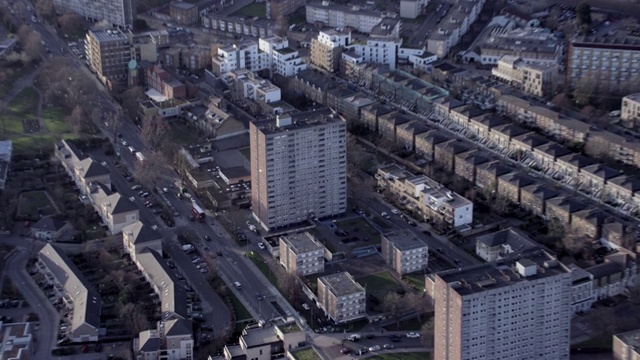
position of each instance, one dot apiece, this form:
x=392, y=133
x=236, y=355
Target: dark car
x=207, y=237
x=346, y=350
x=370, y=336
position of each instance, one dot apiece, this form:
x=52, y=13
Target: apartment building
x=245, y=55
x=453, y=26
x=361, y=18
x=533, y=45
x=17, y=340
x=164, y=83
x=277, y=339
x=184, y=13
x=281, y=8
x=326, y=49
x=382, y=44
x=404, y=252
x=298, y=168
x=138, y=237
x=239, y=25
x=108, y=54
x=533, y=79
x=121, y=13
x=610, y=62
x=630, y=110
x=341, y=298
x=116, y=210
x=280, y=58
x=301, y=254
x=428, y=199
x=76, y=292
x=520, y=309
x=581, y=290
x=626, y=346
x=170, y=340
x=503, y=244
x=246, y=85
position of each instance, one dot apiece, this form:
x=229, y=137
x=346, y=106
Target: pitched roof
x=518, y=179
x=604, y=269
x=567, y=203
x=89, y=168
x=49, y=223
x=627, y=182
x=541, y=191
x=87, y=302
x=141, y=233
x=178, y=327
x=577, y=160
x=149, y=341
x=119, y=204
x=173, y=296
x=602, y=171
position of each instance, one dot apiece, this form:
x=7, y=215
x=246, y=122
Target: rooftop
x=298, y=121
x=108, y=35
x=486, y=277
x=301, y=243
x=141, y=233
x=340, y=284
x=404, y=240
x=631, y=339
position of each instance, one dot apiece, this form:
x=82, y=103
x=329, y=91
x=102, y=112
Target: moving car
x=261, y=246
x=413, y=335
x=374, y=348
x=389, y=346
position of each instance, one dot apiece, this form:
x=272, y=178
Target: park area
x=35, y=205
x=32, y=132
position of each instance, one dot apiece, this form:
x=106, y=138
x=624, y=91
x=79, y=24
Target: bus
x=198, y=213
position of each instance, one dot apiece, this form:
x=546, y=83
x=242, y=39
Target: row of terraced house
x=172, y=339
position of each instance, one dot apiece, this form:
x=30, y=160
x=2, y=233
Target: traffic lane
x=47, y=314
x=219, y=316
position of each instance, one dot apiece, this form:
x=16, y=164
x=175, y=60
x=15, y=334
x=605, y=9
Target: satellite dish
x=133, y=64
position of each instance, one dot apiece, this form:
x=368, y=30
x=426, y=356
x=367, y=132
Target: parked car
x=413, y=335
x=389, y=346
x=261, y=246
x=306, y=306
x=374, y=348
x=346, y=350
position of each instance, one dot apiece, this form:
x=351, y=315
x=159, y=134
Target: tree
x=135, y=319
x=583, y=14
x=130, y=101
x=71, y=23
x=140, y=25
x=427, y=332
x=589, y=111
x=291, y=288
x=154, y=131
x=585, y=90
x=417, y=302
x=114, y=121
x=562, y=100
x=552, y=20
x=148, y=173
x=76, y=119
x=282, y=26
x=392, y=305
x=45, y=8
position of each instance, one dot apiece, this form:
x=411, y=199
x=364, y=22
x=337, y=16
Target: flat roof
x=299, y=121
x=108, y=35
x=485, y=277
x=341, y=284
x=631, y=339
x=404, y=240
x=301, y=243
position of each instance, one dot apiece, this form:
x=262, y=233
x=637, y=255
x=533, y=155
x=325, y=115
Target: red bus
x=198, y=213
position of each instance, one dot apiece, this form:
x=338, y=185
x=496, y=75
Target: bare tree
x=76, y=119
x=392, y=305
x=148, y=172
x=419, y=303
x=114, y=122
x=135, y=320
x=562, y=100
x=428, y=331
x=130, y=101
x=71, y=23
x=45, y=8
x=585, y=91
x=154, y=131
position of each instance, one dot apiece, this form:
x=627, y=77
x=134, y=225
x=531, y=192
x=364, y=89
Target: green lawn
x=364, y=229
x=26, y=102
x=253, y=10
x=378, y=284
x=403, y=356
x=54, y=120
x=264, y=268
x=416, y=281
x=241, y=312
x=306, y=354
x=32, y=201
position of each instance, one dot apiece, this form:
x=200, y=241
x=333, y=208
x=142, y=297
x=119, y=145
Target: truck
x=198, y=213
x=140, y=157
x=187, y=248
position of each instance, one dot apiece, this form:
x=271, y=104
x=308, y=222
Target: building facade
x=518, y=310
x=626, y=346
x=301, y=254
x=327, y=48
x=340, y=16
x=108, y=54
x=121, y=13
x=341, y=298
x=298, y=168
x=404, y=252
x=630, y=110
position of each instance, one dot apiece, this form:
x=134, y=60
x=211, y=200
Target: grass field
x=253, y=10
x=361, y=228
x=264, y=268
x=241, y=312
x=416, y=281
x=378, y=284
x=24, y=107
x=602, y=341
x=306, y=354
x=403, y=356
x=35, y=203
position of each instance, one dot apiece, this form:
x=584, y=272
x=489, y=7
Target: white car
x=124, y=143
x=261, y=246
x=306, y=306
x=374, y=348
x=395, y=211
x=385, y=215
x=413, y=335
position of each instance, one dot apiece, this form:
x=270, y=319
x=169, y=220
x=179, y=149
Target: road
x=49, y=317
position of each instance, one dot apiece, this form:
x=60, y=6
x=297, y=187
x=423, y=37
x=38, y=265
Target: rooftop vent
x=282, y=121
x=526, y=267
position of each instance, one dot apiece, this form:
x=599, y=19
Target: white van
x=237, y=285
x=132, y=150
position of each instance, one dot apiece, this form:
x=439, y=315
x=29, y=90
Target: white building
x=630, y=110
x=409, y=9
x=280, y=58
x=298, y=168
x=278, y=339
x=362, y=18
x=301, y=254
x=121, y=13
x=251, y=86
x=582, y=297
x=404, y=252
x=534, y=79
x=453, y=26
x=17, y=341
x=520, y=309
x=245, y=55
